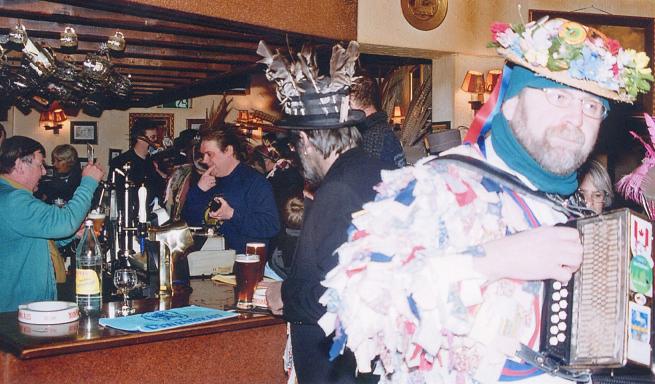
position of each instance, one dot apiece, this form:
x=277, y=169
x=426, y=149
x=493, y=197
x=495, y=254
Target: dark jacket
x=345, y=188
x=59, y=186
x=379, y=140
x=142, y=171
x=250, y=195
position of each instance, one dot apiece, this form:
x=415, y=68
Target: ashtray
x=48, y=312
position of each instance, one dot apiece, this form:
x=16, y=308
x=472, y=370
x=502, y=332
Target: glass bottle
x=88, y=274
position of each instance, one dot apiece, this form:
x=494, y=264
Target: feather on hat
x=310, y=100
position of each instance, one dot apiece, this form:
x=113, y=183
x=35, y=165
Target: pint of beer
x=98, y=221
x=258, y=249
x=247, y=276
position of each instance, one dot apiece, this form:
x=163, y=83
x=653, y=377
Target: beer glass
x=258, y=249
x=98, y=221
x=247, y=276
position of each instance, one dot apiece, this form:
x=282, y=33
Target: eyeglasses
x=562, y=99
x=592, y=197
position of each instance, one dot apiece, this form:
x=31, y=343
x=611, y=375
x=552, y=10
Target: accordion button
x=556, y=296
x=555, y=307
x=552, y=340
x=563, y=304
x=562, y=315
x=557, y=285
x=554, y=319
x=561, y=326
x=564, y=292
x=554, y=329
x=561, y=337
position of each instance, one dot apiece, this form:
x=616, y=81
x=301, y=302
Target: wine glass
x=125, y=280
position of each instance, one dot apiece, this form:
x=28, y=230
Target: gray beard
x=311, y=170
x=551, y=158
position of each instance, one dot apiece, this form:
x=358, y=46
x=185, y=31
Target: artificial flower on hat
x=576, y=55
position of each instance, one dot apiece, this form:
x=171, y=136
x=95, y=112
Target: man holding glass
x=244, y=198
x=28, y=225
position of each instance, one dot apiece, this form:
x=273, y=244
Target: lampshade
x=243, y=115
x=397, y=112
x=53, y=118
x=492, y=78
x=473, y=82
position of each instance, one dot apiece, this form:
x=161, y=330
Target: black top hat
x=311, y=101
x=313, y=110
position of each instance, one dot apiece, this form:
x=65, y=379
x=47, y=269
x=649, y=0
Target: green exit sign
x=184, y=103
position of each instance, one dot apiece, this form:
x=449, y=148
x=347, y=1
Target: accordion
x=603, y=317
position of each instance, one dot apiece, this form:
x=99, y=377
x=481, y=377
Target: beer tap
x=126, y=228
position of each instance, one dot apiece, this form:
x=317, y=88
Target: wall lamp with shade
x=474, y=84
x=243, y=116
x=53, y=118
x=491, y=79
x=397, y=117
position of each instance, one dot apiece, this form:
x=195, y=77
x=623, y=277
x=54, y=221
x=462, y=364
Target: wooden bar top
x=27, y=341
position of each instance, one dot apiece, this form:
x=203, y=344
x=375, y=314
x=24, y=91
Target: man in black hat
x=327, y=142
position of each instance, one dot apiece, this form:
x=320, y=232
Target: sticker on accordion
x=641, y=275
x=641, y=248
x=639, y=347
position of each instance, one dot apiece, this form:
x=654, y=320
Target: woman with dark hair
x=66, y=176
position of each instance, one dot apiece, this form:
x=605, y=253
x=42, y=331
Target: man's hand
x=536, y=254
x=225, y=212
x=207, y=181
x=159, y=172
x=94, y=171
x=274, y=298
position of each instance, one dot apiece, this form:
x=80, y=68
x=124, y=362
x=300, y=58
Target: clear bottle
x=88, y=274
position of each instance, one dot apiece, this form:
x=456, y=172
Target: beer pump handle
x=113, y=203
x=113, y=206
x=143, y=193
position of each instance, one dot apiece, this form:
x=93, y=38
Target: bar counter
x=245, y=349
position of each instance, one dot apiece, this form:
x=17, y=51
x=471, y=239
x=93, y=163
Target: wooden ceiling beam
x=44, y=29
x=85, y=47
x=163, y=73
x=159, y=79
x=235, y=79
x=87, y=16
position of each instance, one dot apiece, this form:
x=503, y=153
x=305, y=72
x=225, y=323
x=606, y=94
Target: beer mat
x=168, y=319
x=227, y=279
x=231, y=279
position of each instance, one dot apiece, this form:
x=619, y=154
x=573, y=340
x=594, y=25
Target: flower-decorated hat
x=310, y=100
x=576, y=55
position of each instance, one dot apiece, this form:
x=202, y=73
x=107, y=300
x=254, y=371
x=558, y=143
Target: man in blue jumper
x=247, y=210
x=28, y=225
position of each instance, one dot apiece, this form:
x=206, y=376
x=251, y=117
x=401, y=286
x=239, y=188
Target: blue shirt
x=255, y=216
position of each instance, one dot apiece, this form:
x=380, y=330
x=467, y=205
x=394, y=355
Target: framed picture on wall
x=114, y=153
x=84, y=132
x=194, y=124
x=162, y=122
